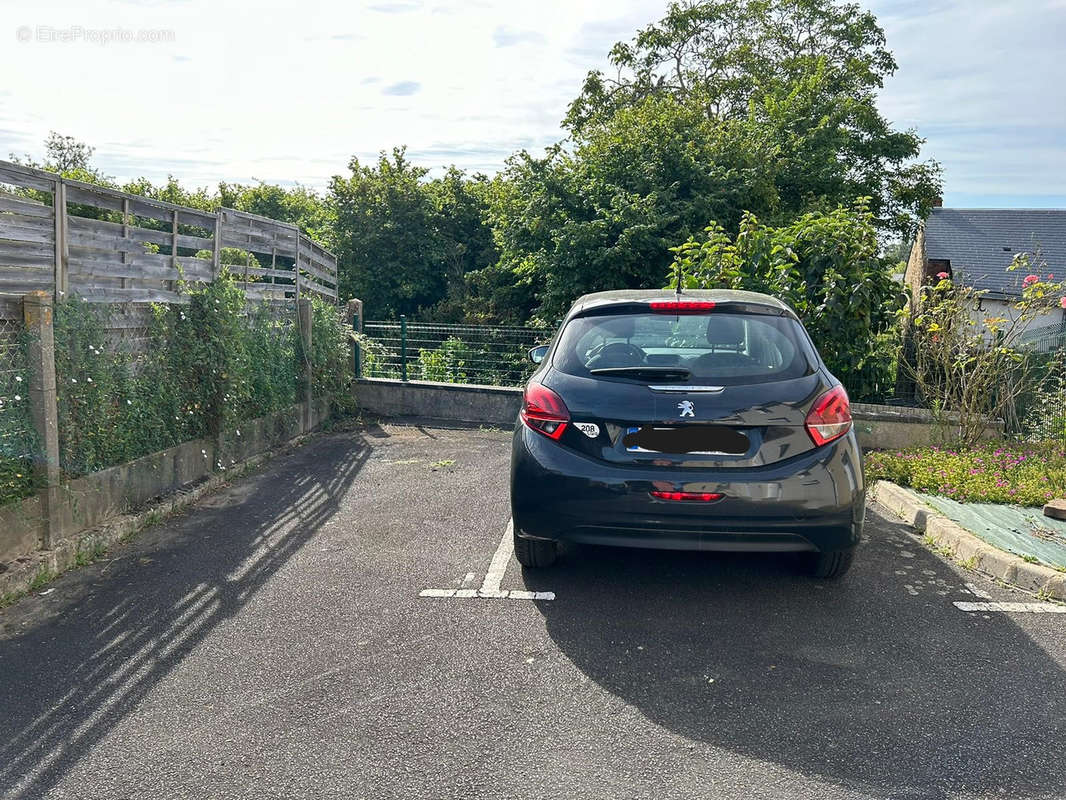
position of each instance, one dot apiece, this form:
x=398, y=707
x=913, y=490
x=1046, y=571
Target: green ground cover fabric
x=1017, y=529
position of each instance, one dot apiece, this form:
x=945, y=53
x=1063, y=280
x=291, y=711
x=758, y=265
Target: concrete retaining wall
x=89, y=501
x=453, y=402
x=878, y=427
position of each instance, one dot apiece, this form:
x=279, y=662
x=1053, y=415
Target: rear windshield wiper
x=677, y=373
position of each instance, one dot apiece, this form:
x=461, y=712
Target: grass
x=89, y=549
x=43, y=576
x=936, y=547
x=1005, y=472
x=447, y=462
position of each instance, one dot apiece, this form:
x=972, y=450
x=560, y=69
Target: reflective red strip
x=699, y=497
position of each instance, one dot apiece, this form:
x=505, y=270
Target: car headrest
x=724, y=331
x=619, y=327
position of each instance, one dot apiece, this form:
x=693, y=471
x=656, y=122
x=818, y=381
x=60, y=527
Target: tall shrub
x=827, y=267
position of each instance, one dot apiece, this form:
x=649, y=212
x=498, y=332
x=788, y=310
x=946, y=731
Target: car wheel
x=830, y=565
x=534, y=552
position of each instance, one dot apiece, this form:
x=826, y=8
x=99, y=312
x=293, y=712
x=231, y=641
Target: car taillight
x=681, y=307
x=697, y=497
x=830, y=417
x=544, y=411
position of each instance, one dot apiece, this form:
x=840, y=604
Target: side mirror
x=537, y=354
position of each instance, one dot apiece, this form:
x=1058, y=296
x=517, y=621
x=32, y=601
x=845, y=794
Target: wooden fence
x=68, y=237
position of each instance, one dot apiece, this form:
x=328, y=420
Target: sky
x=209, y=90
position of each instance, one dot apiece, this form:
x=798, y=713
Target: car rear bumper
x=813, y=501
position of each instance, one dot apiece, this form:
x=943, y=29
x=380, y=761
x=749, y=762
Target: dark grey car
x=702, y=421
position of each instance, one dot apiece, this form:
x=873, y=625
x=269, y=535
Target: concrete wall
x=454, y=402
x=878, y=427
x=91, y=500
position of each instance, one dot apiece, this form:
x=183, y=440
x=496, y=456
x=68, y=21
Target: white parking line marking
x=490, y=587
x=494, y=577
x=974, y=589
x=1015, y=608
x=503, y=594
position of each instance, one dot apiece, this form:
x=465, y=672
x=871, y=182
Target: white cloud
x=289, y=91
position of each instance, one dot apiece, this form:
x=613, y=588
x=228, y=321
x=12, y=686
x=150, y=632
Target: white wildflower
x=18, y=378
x=18, y=397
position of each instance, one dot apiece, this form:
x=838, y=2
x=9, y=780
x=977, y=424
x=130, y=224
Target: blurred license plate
x=709, y=440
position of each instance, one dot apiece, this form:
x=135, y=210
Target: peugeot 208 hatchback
x=701, y=421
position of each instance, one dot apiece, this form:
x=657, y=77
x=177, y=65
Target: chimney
x=938, y=202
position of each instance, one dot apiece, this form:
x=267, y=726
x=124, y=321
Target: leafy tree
x=68, y=157
x=468, y=247
x=173, y=192
x=805, y=71
x=297, y=205
x=390, y=252
x=604, y=215
x=405, y=243
x=826, y=266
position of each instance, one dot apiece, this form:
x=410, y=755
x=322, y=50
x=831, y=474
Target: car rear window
x=721, y=348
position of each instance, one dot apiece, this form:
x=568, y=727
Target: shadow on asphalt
x=857, y=682
x=94, y=663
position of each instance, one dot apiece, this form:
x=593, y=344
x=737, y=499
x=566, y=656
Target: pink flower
x=1030, y=280
x=1062, y=302
x=942, y=275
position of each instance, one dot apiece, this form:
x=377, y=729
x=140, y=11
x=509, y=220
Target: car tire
x=534, y=553
x=829, y=566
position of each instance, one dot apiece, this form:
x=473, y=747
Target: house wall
x=1004, y=308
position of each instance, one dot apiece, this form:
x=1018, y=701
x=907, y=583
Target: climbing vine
x=208, y=365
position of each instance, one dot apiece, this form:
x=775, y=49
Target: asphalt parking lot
x=278, y=640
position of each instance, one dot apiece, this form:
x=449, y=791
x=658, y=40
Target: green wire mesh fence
x=418, y=351
x=18, y=440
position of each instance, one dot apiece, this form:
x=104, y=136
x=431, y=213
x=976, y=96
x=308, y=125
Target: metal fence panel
x=482, y=354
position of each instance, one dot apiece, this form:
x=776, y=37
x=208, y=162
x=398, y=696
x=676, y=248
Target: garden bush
x=1005, y=472
x=331, y=352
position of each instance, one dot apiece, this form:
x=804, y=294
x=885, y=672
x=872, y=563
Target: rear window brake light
x=681, y=306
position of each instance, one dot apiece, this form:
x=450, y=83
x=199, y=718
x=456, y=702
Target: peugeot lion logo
x=687, y=410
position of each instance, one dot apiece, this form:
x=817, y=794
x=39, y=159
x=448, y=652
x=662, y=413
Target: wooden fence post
x=296, y=265
x=216, y=252
x=173, y=245
x=59, y=212
x=303, y=316
x=37, y=310
x=124, y=255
